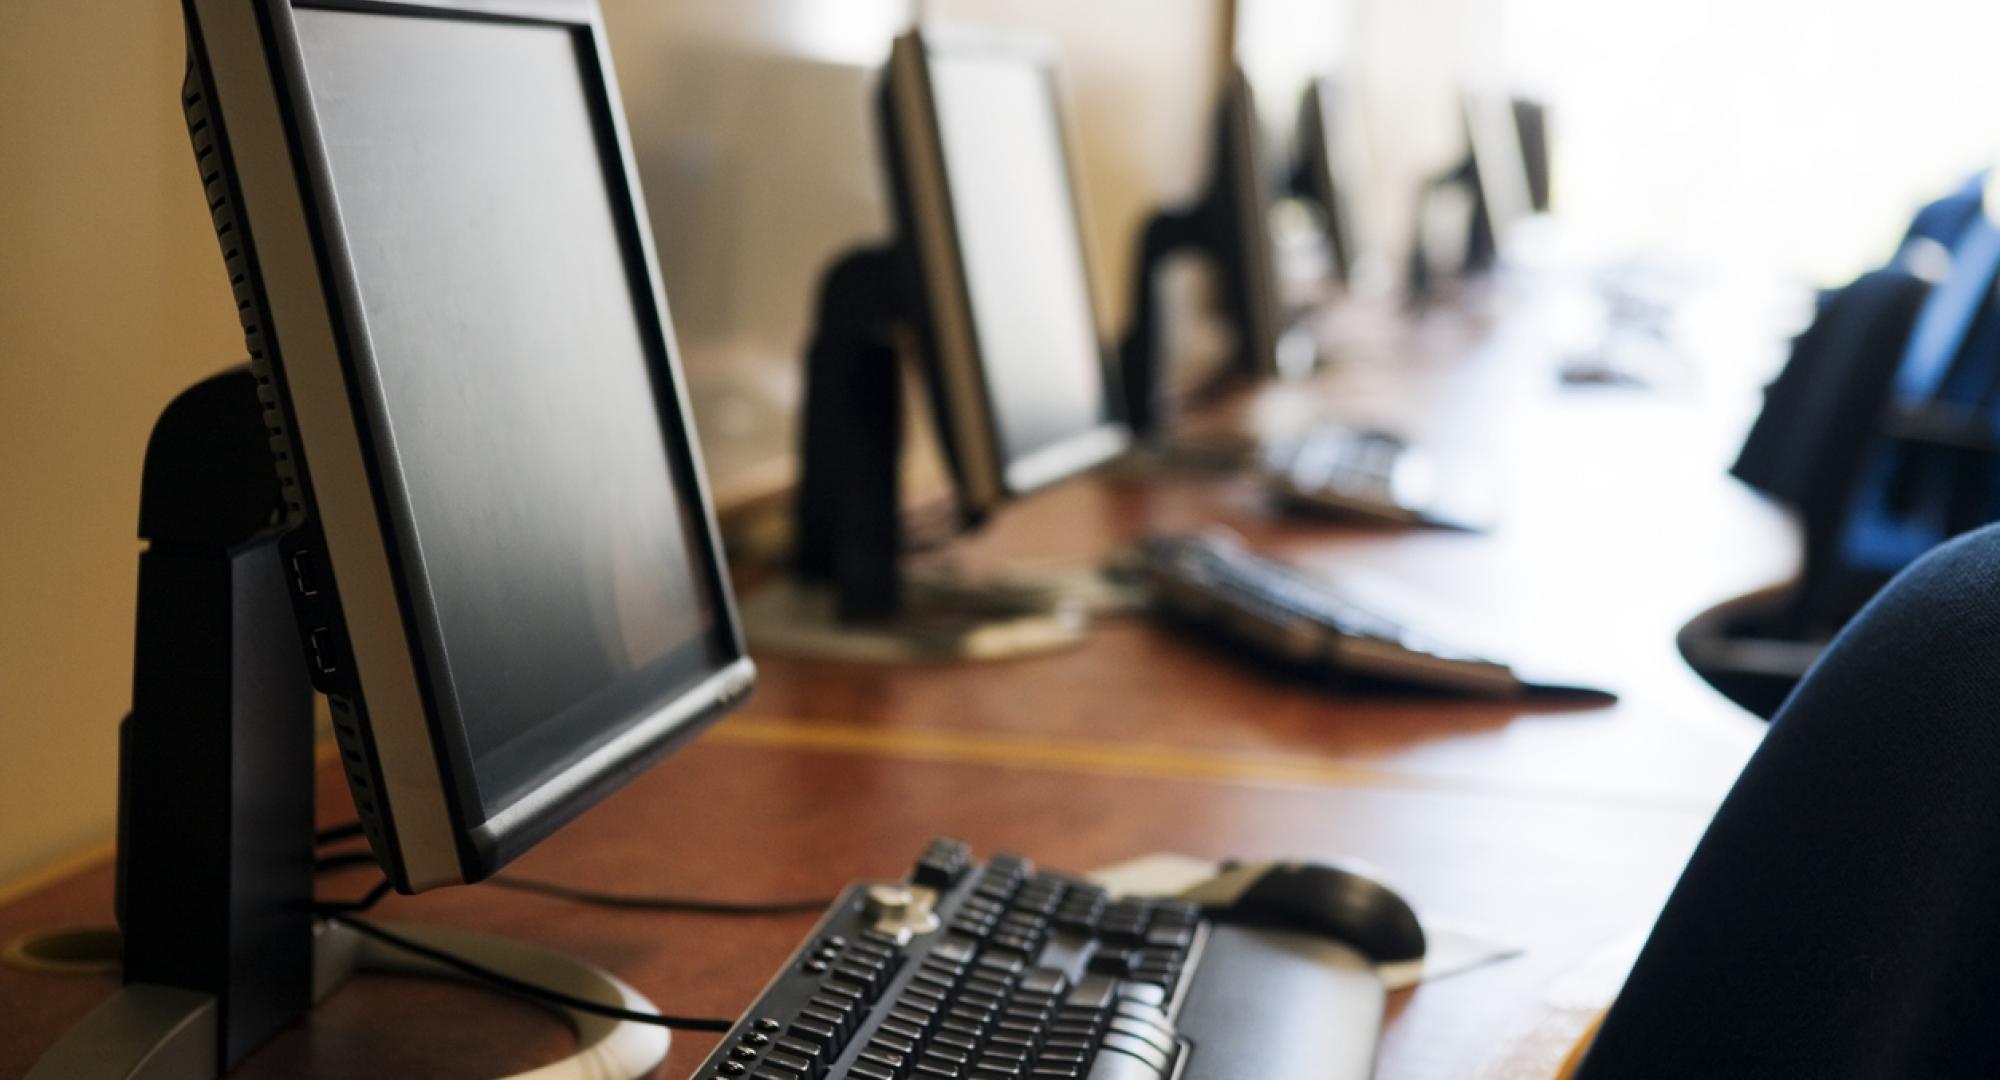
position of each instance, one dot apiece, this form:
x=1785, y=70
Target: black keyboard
x=1000, y=971
x=1212, y=580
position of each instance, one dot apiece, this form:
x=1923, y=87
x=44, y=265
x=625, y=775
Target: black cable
x=617, y=901
x=628, y=902
x=347, y=907
x=528, y=989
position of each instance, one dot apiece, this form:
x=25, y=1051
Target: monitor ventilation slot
x=237, y=260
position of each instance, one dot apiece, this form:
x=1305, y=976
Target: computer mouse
x=1340, y=903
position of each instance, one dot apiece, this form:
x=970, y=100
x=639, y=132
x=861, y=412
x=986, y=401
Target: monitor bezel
x=927, y=226
x=435, y=828
x=1498, y=157
x=1322, y=108
x=1250, y=190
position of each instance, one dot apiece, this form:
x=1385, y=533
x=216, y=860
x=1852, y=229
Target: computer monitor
x=1245, y=185
x=989, y=221
x=1327, y=170
x=1531, y=122
x=510, y=582
x=1229, y=228
x=1504, y=191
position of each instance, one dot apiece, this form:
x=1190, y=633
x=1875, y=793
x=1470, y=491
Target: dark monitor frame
x=928, y=243
x=1316, y=173
x=1503, y=179
x=1531, y=123
x=1244, y=182
x=409, y=767
x=1230, y=225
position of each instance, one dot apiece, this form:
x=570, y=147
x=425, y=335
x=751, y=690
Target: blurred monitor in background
x=1228, y=233
x=1806, y=169
x=1504, y=193
x=751, y=126
x=1329, y=170
x=1292, y=52
x=988, y=219
x=758, y=166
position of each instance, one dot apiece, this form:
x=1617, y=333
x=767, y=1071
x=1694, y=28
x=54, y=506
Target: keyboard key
x=955, y=1041
x=890, y=1062
x=955, y=949
x=941, y=864
x=812, y=1054
x=889, y=1043
x=813, y=1026
x=915, y=1035
x=1112, y=961
x=788, y=1065
x=1094, y=992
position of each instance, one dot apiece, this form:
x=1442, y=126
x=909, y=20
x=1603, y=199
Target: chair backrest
x=1807, y=444
x=1927, y=469
x=1836, y=922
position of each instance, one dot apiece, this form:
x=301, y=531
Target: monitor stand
x=850, y=596
x=1152, y=402
x=222, y=948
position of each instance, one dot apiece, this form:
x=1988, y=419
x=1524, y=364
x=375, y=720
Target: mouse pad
x=1452, y=945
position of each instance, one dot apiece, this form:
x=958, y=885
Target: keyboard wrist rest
x=1281, y=1003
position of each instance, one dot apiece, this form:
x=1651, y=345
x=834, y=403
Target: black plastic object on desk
x=1004, y=970
x=215, y=811
x=849, y=509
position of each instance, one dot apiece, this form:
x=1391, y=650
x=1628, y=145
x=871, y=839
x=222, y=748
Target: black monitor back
x=1228, y=228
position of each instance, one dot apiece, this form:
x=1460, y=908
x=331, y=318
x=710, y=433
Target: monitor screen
x=1027, y=276
x=1504, y=187
x=551, y=534
x=1335, y=166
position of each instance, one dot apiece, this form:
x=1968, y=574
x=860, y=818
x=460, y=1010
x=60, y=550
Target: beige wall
x=112, y=298
x=758, y=163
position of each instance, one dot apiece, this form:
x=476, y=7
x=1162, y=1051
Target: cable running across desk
x=524, y=988
x=341, y=860
x=345, y=912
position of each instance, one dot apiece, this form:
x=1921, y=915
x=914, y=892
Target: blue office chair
x=1831, y=388
x=1841, y=918
x=1929, y=474
x=1944, y=221
x=1883, y=433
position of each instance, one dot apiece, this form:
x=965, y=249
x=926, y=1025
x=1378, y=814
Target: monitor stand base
x=792, y=618
x=1188, y=456
x=152, y=1032
x=1096, y=590
x=607, y=1049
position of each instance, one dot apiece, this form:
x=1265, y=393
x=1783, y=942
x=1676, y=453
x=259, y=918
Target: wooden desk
x=722, y=820
x=1561, y=828
x=1618, y=525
